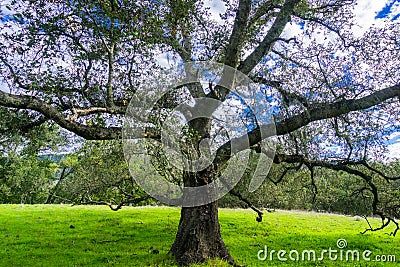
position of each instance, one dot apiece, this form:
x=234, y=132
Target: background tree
x=290, y=187
x=78, y=63
x=27, y=170
x=97, y=174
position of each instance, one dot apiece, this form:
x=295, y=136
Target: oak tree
x=333, y=95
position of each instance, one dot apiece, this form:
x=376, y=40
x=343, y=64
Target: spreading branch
x=321, y=112
x=238, y=33
x=272, y=35
x=248, y=203
x=372, y=188
x=52, y=113
x=118, y=206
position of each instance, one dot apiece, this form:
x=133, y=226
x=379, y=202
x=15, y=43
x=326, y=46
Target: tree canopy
x=333, y=95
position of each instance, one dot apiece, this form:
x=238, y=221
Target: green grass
x=61, y=235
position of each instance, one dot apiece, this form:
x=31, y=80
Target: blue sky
x=389, y=11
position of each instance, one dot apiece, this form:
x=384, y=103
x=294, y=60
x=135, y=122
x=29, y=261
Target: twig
x=239, y=196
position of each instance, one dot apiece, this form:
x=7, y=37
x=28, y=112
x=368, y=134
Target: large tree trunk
x=199, y=237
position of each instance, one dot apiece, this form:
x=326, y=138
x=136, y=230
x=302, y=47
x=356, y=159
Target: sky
x=367, y=13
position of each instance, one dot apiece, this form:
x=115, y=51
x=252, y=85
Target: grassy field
x=61, y=235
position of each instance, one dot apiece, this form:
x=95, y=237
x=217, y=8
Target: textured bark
x=238, y=33
x=270, y=38
x=198, y=237
x=54, y=114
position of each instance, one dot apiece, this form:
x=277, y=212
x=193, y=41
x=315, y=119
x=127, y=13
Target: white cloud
x=165, y=60
x=394, y=147
x=291, y=30
x=4, y=86
x=365, y=13
x=217, y=7
x=395, y=10
x=3, y=8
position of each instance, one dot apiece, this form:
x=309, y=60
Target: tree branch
x=273, y=33
x=78, y=112
x=323, y=111
x=263, y=10
x=324, y=24
x=280, y=179
x=286, y=95
x=119, y=205
x=387, y=178
x=110, y=78
x=249, y=204
x=52, y=113
x=383, y=225
x=279, y=158
x=238, y=33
